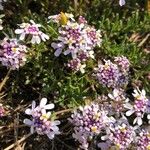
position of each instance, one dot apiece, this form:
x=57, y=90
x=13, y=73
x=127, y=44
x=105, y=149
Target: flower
x=122, y=2
x=88, y=121
x=118, y=100
x=143, y=140
x=108, y=74
x=139, y=107
x=123, y=63
x=77, y=39
x=114, y=75
x=31, y=29
x=13, y=54
x=41, y=120
x=120, y=134
x=75, y=65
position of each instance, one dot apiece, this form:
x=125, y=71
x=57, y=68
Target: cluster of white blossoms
x=115, y=74
x=139, y=107
x=75, y=38
x=88, y=121
x=42, y=121
x=31, y=30
x=12, y=53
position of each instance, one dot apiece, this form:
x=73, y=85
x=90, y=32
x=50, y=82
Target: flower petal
x=129, y=112
x=139, y=121
x=49, y=106
x=121, y=2
x=19, y=31
x=28, y=122
x=33, y=105
x=28, y=111
x=22, y=36
x=43, y=102
x=58, y=52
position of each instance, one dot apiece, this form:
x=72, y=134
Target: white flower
x=31, y=29
x=140, y=106
x=122, y=2
x=41, y=121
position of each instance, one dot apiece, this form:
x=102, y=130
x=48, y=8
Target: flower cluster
x=113, y=75
x=139, y=107
x=119, y=134
x=117, y=101
x=2, y=110
x=32, y=31
x=143, y=140
x=13, y=54
x=42, y=121
x=77, y=39
x=88, y=121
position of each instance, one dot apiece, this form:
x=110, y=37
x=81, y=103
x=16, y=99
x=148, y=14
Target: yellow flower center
x=44, y=116
x=148, y=147
x=94, y=129
x=14, y=49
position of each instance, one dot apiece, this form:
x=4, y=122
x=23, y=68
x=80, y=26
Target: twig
x=11, y=128
x=18, y=142
x=5, y=79
x=63, y=111
x=144, y=40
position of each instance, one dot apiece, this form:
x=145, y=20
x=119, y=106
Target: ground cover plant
x=74, y=75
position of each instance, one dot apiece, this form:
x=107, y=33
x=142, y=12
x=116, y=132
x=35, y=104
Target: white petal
x=28, y=111
x=121, y=2
x=44, y=37
x=32, y=21
x=67, y=52
x=32, y=130
x=27, y=122
x=128, y=106
x=33, y=40
x=110, y=96
x=56, y=122
x=22, y=36
x=43, y=102
x=43, y=111
x=50, y=135
x=38, y=40
x=19, y=31
x=129, y=112
x=148, y=116
x=54, y=45
x=139, y=121
x=58, y=52
x=33, y=105
x=49, y=106
x=115, y=92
